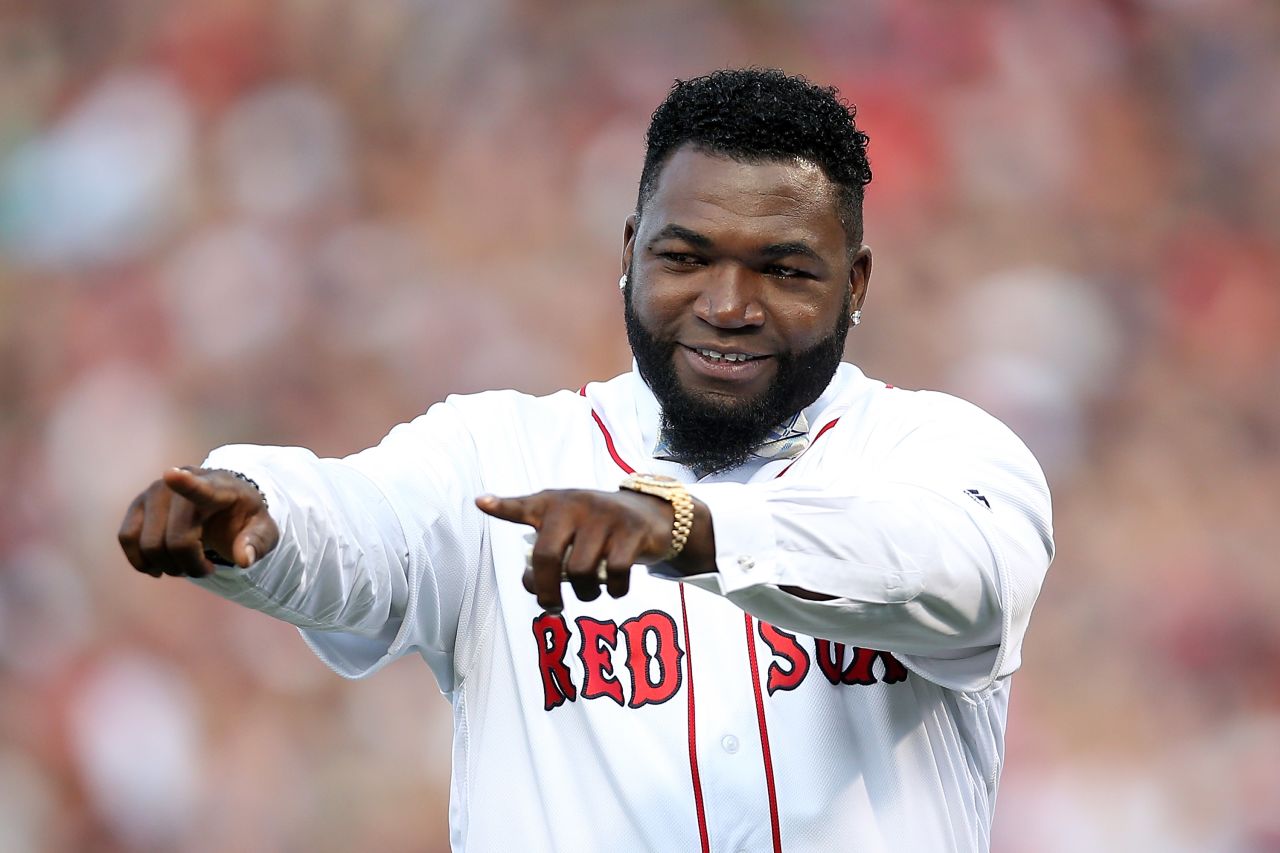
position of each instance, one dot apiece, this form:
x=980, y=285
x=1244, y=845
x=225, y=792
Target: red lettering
x=552, y=635
x=666, y=657
x=830, y=659
x=784, y=646
x=598, y=640
x=894, y=669
x=859, y=671
x=831, y=662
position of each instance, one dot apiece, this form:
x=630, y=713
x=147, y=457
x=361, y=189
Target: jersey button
x=729, y=743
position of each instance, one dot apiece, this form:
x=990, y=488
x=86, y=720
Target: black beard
x=710, y=433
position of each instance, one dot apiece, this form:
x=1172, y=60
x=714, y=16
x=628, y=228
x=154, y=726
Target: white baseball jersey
x=718, y=713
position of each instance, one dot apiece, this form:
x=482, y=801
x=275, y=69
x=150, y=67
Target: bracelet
x=681, y=504
x=213, y=556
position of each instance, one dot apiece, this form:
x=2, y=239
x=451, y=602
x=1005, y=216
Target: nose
x=730, y=300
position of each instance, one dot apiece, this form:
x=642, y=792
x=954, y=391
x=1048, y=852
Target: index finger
x=523, y=510
x=196, y=487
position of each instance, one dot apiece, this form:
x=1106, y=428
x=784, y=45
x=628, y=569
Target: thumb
x=258, y=538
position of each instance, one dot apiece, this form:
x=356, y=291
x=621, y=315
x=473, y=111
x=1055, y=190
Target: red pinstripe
x=764, y=738
x=693, y=751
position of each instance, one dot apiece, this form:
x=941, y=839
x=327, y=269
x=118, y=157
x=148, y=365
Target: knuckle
x=187, y=541
x=543, y=562
x=547, y=552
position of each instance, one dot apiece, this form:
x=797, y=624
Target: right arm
x=369, y=555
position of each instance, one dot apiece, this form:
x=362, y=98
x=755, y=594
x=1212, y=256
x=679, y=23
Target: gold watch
x=669, y=489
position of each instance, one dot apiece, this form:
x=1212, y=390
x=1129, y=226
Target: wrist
x=672, y=491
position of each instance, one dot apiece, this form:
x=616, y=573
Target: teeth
x=720, y=356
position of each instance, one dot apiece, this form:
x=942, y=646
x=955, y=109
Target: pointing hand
x=167, y=528
x=593, y=538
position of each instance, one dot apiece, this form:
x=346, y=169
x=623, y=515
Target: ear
x=859, y=277
x=628, y=242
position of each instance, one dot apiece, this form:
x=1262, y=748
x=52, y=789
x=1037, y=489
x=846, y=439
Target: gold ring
x=602, y=572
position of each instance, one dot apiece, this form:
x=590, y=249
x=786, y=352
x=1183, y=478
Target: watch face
x=645, y=482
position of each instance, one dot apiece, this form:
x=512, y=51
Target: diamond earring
x=622, y=282
x=856, y=317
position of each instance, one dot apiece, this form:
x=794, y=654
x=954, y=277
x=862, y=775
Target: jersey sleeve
x=935, y=552
x=377, y=550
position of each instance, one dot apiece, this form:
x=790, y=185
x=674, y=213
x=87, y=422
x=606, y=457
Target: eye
x=681, y=259
x=778, y=271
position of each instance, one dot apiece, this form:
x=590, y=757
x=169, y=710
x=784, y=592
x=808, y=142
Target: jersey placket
x=725, y=728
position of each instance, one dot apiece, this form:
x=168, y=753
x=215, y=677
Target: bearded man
x=818, y=584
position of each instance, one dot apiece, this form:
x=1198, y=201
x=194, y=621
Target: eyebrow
x=781, y=250
x=679, y=232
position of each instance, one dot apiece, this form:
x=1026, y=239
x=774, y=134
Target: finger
x=548, y=553
x=258, y=538
x=155, y=518
x=623, y=550
x=582, y=564
x=130, y=531
x=182, y=538
x=522, y=510
x=200, y=487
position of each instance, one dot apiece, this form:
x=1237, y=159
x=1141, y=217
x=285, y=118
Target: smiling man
x=817, y=584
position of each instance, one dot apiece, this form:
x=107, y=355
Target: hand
x=619, y=529
x=168, y=527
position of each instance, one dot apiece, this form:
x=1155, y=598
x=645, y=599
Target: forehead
x=774, y=200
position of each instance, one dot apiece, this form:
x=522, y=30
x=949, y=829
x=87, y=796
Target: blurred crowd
x=303, y=221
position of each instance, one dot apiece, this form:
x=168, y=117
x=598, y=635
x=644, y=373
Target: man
x=809, y=628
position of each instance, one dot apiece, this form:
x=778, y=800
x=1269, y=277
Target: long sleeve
x=933, y=549
x=376, y=549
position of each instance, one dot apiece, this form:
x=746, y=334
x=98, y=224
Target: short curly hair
x=761, y=114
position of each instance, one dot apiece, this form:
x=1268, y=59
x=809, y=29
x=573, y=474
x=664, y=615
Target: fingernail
x=253, y=555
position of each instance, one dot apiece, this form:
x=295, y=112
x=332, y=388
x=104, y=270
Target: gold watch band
x=673, y=491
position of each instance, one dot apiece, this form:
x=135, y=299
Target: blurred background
x=303, y=221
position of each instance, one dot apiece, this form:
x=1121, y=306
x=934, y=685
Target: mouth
x=725, y=365
x=716, y=356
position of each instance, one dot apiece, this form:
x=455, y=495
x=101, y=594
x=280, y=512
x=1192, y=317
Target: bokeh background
x=302, y=221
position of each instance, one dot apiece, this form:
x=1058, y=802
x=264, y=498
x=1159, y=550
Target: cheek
x=658, y=302
x=805, y=323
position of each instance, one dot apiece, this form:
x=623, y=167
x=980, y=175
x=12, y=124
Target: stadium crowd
x=303, y=222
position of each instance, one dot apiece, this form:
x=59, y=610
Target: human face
x=747, y=260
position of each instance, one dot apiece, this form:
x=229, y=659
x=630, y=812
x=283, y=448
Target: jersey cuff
x=746, y=541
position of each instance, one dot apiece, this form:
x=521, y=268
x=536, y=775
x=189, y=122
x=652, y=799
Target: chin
x=725, y=401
